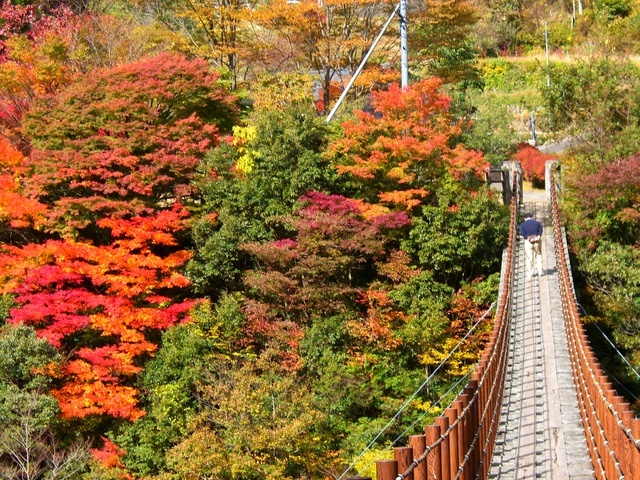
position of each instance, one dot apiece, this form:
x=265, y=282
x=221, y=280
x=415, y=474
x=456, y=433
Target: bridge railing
x=612, y=431
x=459, y=445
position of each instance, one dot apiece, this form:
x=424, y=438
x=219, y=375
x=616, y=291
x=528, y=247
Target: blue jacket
x=530, y=227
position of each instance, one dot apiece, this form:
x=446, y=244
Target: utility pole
x=533, y=129
x=404, y=50
x=546, y=48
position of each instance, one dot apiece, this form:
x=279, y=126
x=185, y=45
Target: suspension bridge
x=538, y=404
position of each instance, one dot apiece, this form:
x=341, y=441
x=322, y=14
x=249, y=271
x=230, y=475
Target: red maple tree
x=111, y=164
x=103, y=299
x=339, y=245
x=533, y=163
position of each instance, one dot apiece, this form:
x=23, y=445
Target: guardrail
x=612, y=431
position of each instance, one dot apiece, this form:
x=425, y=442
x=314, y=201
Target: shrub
x=533, y=162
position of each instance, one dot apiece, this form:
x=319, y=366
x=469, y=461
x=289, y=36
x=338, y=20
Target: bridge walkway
x=540, y=435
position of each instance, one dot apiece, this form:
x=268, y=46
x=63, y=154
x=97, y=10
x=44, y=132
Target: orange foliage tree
x=250, y=38
x=33, y=57
x=405, y=145
x=109, y=173
x=98, y=301
x=16, y=210
x=330, y=37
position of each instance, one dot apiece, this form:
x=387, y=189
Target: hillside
x=195, y=265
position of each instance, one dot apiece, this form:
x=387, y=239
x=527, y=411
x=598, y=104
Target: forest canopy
x=195, y=264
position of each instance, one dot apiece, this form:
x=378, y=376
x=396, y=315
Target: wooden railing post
x=634, y=424
x=622, y=444
x=419, y=444
x=434, y=460
x=452, y=414
x=474, y=422
x=404, y=457
x=459, y=406
x=386, y=469
x=467, y=425
x=445, y=455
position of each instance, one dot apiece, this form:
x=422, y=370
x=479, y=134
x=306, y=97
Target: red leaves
x=265, y=329
x=81, y=398
x=396, y=152
x=378, y=325
x=64, y=288
x=108, y=183
x=109, y=455
x=612, y=187
x=605, y=204
x=398, y=268
x=56, y=314
x=409, y=198
x=107, y=363
x=141, y=232
x=15, y=208
x=123, y=141
x=113, y=157
x=14, y=19
x=32, y=59
x=338, y=242
x=533, y=162
x=414, y=104
x=157, y=104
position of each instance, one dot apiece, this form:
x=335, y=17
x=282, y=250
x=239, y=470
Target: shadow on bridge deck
x=540, y=433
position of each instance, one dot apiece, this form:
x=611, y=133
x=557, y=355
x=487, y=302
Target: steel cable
x=408, y=401
x=501, y=346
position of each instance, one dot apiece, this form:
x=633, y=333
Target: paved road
x=560, y=146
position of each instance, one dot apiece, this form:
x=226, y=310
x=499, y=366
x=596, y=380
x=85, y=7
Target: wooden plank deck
x=540, y=434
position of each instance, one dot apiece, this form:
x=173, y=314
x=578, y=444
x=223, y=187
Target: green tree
x=614, y=281
x=461, y=237
x=170, y=382
x=492, y=129
x=599, y=102
x=260, y=175
x=26, y=360
x=33, y=440
x=441, y=33
x=500, y=25
x=258, y=423
x=603, y=224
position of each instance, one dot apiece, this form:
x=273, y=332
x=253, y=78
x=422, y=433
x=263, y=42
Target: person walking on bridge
x=531, y=231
